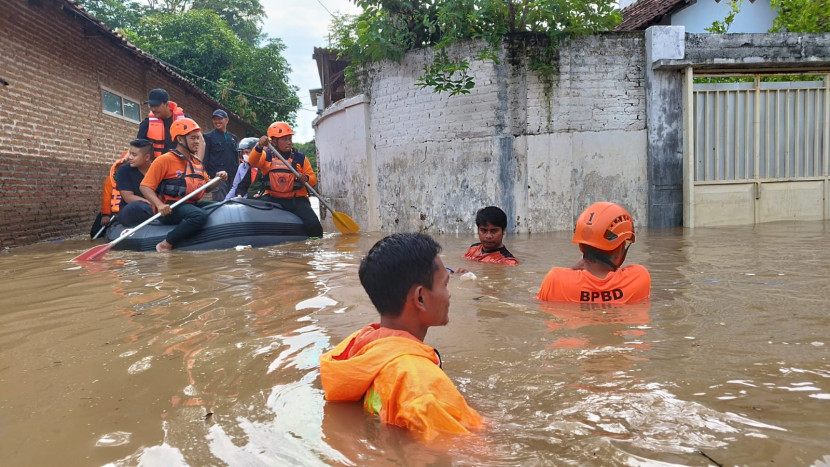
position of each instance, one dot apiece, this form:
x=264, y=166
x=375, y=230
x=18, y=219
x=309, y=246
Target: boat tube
x=237, y=221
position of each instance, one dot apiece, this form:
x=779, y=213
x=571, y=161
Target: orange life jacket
x=280, y=180
x=501, y=256
x=193, y=177
x=399, y=379
x=155, y=131
x=111, y=202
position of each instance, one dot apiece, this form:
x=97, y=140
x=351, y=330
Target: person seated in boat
x=245, y=174
x=387, y=364
x=110, y=198
x=134, y=209
x=491, y=223
x=282, y=187
x=604, y=232
x=174, y=175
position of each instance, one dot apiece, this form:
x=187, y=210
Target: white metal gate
x=756, y=152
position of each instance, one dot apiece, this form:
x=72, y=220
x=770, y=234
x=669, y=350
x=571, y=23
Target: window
x=114, y=104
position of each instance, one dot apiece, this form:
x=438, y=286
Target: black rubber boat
x=230, y=223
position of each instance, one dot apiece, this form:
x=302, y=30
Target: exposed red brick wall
x=56, y=144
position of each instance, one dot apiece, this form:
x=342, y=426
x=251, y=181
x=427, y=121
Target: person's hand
x=164, y=209
x=460, y=271
x=304, y=178
x=105, y=219
x=263, y=142
x=222, y=175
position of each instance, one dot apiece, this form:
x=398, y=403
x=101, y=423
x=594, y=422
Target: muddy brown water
x=211, y=358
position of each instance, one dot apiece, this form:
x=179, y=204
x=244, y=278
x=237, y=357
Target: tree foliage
x=801, y=16
x=243, y=16
x=388, y=29
x=722, y=27
x=216, y=44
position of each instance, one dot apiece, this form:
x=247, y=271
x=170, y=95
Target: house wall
x=56, y=144
x=753, y=17
x=542, y=147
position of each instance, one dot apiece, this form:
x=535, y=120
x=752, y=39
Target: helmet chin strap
x=186, y=145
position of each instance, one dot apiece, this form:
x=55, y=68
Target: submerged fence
x=761, y=130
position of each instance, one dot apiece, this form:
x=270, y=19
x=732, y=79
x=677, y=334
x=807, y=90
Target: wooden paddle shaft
x=297, y=174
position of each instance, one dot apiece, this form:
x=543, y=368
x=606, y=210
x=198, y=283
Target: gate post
x=664, y=120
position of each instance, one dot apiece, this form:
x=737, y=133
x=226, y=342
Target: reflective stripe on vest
x=155, y=129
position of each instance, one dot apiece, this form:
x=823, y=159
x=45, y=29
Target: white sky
x=303, y=25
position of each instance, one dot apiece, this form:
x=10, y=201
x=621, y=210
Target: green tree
x=117, y=14
x=722, y=27
x=251, y=81
x=244, y=17
x=801, y=16
x=388, y=29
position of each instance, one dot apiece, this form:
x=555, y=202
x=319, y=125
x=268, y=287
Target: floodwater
x=211, y=358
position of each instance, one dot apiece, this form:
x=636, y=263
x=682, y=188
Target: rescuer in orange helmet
x=604, y=232
x=174, y=175
x=282, y=187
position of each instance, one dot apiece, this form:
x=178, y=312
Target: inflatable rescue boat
x=230, y=223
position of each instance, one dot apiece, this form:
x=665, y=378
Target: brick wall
x=541, y=146
x=56, y=144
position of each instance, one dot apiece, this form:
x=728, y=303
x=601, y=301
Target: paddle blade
x=344, y=223
x=94, y=253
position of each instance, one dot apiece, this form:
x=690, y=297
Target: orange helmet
x=183, y=127
x=604, y=226
x=279, y=129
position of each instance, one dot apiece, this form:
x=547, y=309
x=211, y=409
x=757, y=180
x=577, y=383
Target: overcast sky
x=303, y=25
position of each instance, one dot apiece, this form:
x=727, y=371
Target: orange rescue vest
x=155, y=130
x=193, y=177
x=280, y=180
x=112, y=197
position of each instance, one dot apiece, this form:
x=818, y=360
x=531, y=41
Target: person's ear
x=418, y=296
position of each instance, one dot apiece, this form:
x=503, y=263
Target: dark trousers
x=135, y=213
x=301, y=207
x=190, y=219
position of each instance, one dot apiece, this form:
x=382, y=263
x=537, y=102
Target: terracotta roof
x=643, y=13
x=118, y=39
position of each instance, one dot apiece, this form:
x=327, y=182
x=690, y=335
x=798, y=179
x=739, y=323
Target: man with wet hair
x=604, y=232
x=387, y=364
x=491, y=223
x=134, y=209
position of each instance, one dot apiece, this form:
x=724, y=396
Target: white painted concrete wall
x=754, y=17
x=402, y=158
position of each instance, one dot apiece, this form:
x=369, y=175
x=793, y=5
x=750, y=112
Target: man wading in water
x=604, y=233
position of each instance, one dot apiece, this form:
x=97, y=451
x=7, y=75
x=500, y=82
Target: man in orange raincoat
x=387, y=364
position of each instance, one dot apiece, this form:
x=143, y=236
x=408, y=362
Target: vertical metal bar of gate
x=786, y=132
x=689, y=159
x=705, y=137
x=717, y=135
x=757, y=148
x=826, y=142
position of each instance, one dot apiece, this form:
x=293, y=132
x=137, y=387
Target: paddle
x=98, y=252
x=103, y=227
x=342, y=221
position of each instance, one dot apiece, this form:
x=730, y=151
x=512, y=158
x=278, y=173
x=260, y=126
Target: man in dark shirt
x=221, y=153
x=134, y=208
x=156, y=127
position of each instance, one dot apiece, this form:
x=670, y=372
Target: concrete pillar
x=664, y=118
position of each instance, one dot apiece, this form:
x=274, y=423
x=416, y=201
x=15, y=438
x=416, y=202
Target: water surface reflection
x=211, y=358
